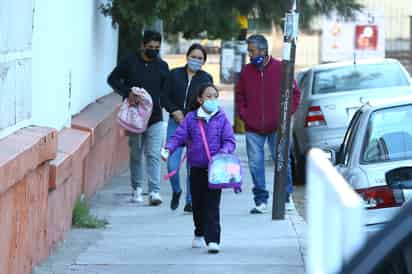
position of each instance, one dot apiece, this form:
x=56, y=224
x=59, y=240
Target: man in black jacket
x=146, y=70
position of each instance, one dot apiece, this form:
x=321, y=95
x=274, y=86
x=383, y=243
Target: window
x=360, y=76
x=344, y=153
x=389, y=135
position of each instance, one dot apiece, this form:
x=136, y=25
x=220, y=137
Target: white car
x=376, y=157
x=332, y=93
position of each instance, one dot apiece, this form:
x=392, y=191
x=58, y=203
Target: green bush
x=82, y=218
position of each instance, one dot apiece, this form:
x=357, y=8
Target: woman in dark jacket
x=182, y=84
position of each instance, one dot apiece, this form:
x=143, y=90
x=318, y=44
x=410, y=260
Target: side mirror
x=330, y=155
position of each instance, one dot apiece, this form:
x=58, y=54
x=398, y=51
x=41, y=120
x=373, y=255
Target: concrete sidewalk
x=143, y=239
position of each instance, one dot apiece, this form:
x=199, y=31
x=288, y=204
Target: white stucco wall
x=54, y=60
x=74, y=48
x=15, y=64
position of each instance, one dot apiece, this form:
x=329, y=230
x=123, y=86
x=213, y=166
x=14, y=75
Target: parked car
x=389, y=251
x=332, y=93
x=375, y=157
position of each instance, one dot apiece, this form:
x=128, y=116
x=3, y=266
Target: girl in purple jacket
x=220, y=139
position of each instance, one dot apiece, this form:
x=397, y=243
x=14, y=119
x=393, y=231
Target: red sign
x=366, y=37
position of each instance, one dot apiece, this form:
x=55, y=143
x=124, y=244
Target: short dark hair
x=199, y=47
x=151, y=35
x=193, y=103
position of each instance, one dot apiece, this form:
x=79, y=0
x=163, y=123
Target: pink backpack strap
x=173, y=172
x=202, y=132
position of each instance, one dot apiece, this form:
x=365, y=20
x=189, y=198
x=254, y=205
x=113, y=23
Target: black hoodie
x=178, y=91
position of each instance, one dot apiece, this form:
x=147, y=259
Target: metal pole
x=283, y=140
x=410, y=45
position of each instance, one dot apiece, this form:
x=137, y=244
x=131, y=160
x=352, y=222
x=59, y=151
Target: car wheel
x=298, y=166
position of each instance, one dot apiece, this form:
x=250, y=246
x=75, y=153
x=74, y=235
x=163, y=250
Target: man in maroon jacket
x=258, y=96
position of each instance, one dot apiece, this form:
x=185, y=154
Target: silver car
x=331, y=94
x=376, y=158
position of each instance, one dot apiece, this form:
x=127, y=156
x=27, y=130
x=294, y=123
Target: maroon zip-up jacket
x=258, y=96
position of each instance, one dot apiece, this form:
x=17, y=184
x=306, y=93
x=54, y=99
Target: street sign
x=363, y=37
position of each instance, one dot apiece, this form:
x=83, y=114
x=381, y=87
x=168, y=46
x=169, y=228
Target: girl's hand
x=164, y=154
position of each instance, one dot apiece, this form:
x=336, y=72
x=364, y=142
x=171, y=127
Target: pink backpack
x=134, y=118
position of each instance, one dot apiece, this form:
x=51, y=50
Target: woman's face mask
x=194, y=64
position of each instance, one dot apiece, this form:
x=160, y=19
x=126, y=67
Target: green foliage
x=214, y=18
x=82, y=217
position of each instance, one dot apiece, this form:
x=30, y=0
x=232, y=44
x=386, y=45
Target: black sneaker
x=188, y=208
x=175, y=200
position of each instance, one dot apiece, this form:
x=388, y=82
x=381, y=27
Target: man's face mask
x=151, y=53
x=258, y=60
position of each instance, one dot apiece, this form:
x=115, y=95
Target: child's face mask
x=211, y=105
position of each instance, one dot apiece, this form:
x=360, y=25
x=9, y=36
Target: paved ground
x=143, y=239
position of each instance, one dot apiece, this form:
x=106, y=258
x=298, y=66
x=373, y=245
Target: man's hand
x=178, y=116
x=132, y=98
x=165, y=154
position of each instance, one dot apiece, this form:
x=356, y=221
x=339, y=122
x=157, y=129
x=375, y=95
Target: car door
x=387, y=252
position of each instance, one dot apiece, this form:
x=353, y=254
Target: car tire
x=298, y=166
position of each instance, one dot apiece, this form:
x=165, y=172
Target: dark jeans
x=205, y=203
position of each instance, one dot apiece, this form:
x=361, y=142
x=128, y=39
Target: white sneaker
x=290, y=206
x=137, y=196
x=213, y=248
x=198, y=242
x=155, y=199
x=262, y=208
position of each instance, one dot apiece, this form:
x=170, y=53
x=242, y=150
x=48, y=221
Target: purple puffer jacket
x=219, y=135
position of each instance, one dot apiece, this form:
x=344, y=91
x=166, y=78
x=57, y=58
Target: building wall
x=54, y=60
x=74, y=48
x=15, y=64
x=397, y=32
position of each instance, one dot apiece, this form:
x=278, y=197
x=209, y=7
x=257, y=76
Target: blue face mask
x=194, y=64
x=258, y=60
x=211, y=105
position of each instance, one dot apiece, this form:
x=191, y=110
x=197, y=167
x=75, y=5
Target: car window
x=303, y=80
x=344, y=153
x=389, y=135
x=360, y=76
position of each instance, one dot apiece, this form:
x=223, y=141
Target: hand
x=132, y=98
x=164, y=154
x=178, y=116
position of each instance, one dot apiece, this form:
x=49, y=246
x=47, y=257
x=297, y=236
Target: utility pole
x=291, y=29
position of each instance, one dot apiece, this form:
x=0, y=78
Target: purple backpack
x=225, y=170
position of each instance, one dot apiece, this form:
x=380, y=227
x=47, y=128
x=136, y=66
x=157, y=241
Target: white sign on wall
x=363, y=36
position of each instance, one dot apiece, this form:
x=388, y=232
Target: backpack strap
x=173, y=172
x=202, y=132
